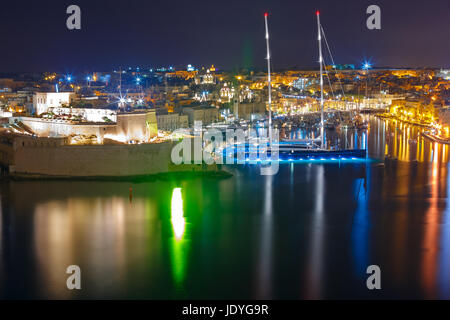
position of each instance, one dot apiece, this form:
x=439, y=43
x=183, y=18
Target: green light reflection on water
x=177, y=218
x=179, y=246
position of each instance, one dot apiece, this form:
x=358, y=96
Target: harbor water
x=308, y=232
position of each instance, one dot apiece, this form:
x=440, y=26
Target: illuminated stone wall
x=53, y=128
x=87, y=114
x=40, y=158
x=138, y=127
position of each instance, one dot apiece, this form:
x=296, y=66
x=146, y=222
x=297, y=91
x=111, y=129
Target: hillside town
x=143, y=106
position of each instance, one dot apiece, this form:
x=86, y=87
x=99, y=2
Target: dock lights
x=292, y=160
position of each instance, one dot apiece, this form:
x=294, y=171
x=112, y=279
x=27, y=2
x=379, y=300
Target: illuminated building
x=444, y=74
x=205, y=115
x=226, y=93
x=128, y=127
x=301, y=83
x=171, y=122
x=42, y=101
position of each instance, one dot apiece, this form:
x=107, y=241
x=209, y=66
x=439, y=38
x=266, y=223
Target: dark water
x=308, y=232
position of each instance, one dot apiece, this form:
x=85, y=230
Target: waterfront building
x=42, y=101
x=251, y=110
x=128, y=127
x=85, y=114
x=205, y=115
x=172, y=121
x=415, y=110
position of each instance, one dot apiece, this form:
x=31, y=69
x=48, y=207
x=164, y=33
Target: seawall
x=52, y=158
x=91, y=160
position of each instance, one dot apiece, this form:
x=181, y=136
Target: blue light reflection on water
x=361, y=225
x=444, y=263
x=295, y=234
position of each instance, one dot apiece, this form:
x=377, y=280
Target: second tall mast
x=319, y=38
x=269, y=80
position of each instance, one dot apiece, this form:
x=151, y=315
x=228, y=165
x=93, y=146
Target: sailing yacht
x=297, y=149
x=307, y=148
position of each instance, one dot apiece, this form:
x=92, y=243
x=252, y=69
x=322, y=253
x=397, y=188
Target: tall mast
x=319, y=38
x=269, y=80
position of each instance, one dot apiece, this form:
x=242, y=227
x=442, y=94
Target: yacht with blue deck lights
x=298, y=149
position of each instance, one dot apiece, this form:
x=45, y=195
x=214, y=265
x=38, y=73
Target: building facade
x=171, y=122
x=205, y=115
x=42, y=101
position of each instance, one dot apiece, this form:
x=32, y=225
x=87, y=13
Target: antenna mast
x=120, y=82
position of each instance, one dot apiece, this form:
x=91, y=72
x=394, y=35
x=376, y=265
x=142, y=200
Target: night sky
x=228, y=34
